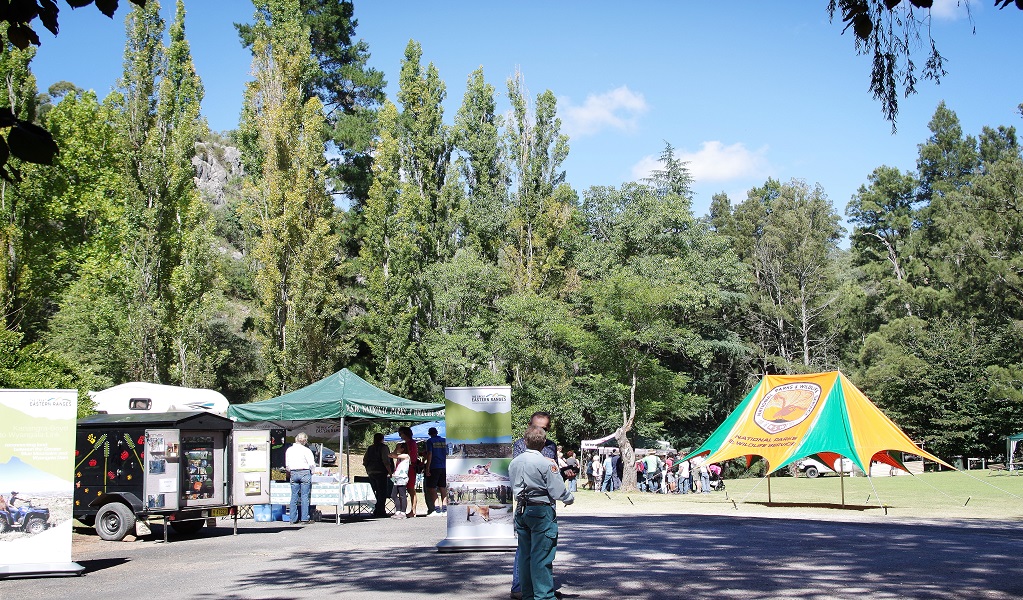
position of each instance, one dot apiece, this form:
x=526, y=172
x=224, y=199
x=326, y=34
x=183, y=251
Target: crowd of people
x=397, y=469
x=667, y=475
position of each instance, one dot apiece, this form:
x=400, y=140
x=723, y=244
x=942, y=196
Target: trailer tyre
x=114, y=521
x=186, y=527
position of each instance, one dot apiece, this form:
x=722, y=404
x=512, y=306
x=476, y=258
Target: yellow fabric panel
x=873, y=431
x=784, y=409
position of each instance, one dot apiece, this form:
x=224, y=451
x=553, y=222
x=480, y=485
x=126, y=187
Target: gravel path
x=724, y=555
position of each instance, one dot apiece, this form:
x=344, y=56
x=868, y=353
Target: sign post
x=37, y=452
x=479, y=513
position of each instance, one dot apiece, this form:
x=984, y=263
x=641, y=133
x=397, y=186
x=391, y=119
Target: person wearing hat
x=537, y=485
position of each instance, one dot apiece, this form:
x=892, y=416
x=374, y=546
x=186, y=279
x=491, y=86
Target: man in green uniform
x=537, y=483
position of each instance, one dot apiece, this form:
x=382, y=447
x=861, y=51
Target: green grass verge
x=946, y=495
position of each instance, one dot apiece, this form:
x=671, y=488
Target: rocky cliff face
x=217, y=166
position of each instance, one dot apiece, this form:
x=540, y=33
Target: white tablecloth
x=333, y=494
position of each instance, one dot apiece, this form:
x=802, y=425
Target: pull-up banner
x=478, y=421
x=37, y=447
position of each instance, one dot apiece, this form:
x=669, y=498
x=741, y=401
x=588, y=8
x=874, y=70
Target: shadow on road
x=98, y=564
x=690, y=556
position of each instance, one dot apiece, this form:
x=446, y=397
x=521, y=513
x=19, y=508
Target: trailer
x=182, y=469
x=140, y=397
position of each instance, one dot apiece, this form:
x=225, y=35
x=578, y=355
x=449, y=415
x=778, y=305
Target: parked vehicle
x=329, y=456
x=813, y=468
x=27, y=518
x=140, y=397
x=176, y=467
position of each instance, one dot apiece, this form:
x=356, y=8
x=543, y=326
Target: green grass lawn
x=945, y=495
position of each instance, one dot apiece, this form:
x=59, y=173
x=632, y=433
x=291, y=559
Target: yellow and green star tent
x=788, y=417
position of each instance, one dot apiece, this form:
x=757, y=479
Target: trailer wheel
x=35, y=525
x=114, y=521
x=186, y=527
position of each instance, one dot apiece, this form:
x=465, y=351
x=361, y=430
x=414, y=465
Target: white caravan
x=139, y=397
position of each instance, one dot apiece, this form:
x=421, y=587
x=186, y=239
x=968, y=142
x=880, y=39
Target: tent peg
x=967, y=500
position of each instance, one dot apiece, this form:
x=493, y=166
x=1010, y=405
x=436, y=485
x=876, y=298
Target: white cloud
x=619, y=109
x=714, y=162
x=952, y=10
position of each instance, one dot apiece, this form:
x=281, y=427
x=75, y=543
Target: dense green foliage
x=425, y=251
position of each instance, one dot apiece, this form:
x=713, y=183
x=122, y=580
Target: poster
x=37, y=452
x=251, y=452
x=479, y=451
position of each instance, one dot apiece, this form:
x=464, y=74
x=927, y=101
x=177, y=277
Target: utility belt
x=522, y=502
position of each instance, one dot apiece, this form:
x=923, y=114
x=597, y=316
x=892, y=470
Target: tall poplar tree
x=17, y=94
x=541, y=204
x=193, y=289
x=295, y=252
x=409, y=226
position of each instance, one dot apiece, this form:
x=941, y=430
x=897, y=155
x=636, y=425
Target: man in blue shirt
x=435, y=476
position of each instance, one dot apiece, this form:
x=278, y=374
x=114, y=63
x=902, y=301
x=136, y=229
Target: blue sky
x=743, y=90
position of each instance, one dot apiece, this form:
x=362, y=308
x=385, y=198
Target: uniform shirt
x=298, y=457
x=539, y=477
x=437, y=448
x=550, y=449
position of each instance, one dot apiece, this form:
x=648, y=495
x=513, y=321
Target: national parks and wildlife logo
x=786, y=406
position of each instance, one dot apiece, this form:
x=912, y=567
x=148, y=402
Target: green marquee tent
x=341, y=395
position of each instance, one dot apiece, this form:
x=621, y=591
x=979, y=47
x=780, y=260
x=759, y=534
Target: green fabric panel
x=343, y=394
x=721, y=434
x=830, y=431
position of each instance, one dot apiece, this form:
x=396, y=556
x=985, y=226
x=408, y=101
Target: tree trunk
x=628, y=453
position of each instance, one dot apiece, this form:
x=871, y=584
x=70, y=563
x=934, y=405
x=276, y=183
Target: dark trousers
x=379, y=483
x=537, y=530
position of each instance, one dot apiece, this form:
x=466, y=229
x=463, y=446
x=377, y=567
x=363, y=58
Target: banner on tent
x=37, y=447
x=479, y=452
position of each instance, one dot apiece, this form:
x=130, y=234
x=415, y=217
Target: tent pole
x=768, y=488
x=841, y=479
x=348, y=459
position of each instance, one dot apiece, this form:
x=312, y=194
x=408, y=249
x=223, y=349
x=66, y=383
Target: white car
x=814, y=468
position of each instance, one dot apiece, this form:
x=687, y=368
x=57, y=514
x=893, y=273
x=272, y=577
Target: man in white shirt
x=299, y=461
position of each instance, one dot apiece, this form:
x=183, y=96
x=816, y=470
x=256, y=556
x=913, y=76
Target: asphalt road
x=633, y=556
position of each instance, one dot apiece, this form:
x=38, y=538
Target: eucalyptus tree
x=787, y=234
x=295, y=250
x=656, y=283
x=885, y=228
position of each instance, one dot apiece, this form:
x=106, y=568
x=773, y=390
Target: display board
x=251, y=479
x=37, y=460
x=163, y=469
x=479, y=451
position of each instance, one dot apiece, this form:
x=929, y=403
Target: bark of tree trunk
x=628, y=452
